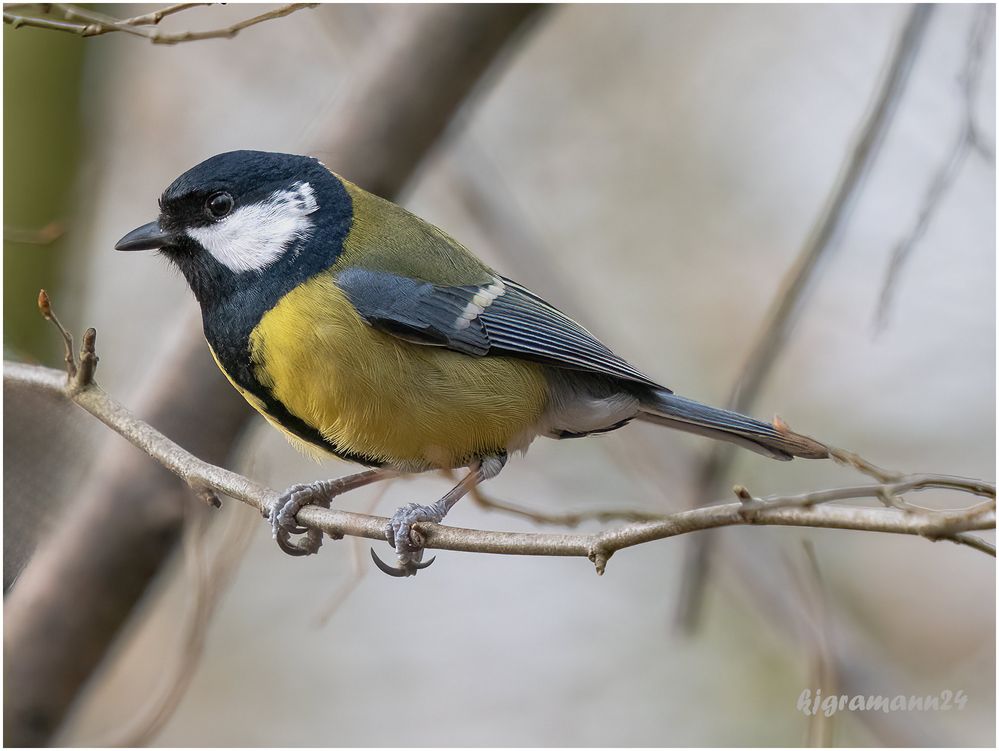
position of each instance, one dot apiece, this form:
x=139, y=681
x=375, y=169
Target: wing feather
x=501, y=318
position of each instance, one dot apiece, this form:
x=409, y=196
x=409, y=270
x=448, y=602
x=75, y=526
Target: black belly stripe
x=236, y=364
x=276, y=409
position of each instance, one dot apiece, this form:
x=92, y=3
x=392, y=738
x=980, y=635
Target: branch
x=566, y=519
x=798, y=282
x=806, y=510
x=969, y=138
x=96, y=24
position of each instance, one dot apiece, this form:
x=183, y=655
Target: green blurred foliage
x=41, y=85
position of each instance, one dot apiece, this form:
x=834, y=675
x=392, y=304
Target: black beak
x=147, y=237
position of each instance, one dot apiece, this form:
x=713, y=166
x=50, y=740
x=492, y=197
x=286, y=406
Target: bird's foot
x=408, y=542
x=282, y=517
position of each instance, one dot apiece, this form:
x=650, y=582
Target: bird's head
x=242, y=214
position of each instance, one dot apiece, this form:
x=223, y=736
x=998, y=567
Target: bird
x=360, y=330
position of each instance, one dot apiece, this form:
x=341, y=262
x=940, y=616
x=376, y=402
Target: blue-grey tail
x=764, y=438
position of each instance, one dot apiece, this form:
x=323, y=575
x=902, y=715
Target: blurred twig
x=86, y=22
x=567, y=519
x=969, y=138
x=823, y=656
x=41, y=236
x=358, y=564
x=799, y=511
x=480, y=187
x=790, y=299
x=209, y=577
x=123, y=525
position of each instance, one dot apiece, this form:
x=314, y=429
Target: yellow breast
x=373, y=394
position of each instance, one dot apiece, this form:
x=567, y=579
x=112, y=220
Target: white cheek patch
x=255, y=236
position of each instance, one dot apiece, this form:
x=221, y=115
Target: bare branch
x=41, y=23
x=969, y=138
x=567, y=519
x=824, y=238
x=45, y=308
x=82, y=375
x=798, y=511
x=158, y=15
x=974, y=541
x=89, y=23
x=790, y=299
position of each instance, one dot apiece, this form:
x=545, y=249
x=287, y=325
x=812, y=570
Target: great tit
x=361, y=330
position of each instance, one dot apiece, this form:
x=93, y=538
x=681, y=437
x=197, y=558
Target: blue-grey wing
x=496, y=318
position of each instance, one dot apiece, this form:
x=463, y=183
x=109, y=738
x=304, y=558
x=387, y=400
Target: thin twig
x=45, y=308
x=794, y=290
x=42, y=236
x=145, y=26
x=97, y=23
x=969, y=138
x=209, y=578
x=823, y=662
x=358, y=563
x=231, y=31
x=568, y=519
x=832, y=222
x=78, y=376
x=156, y=16
x=597, y=547
x=42, y=23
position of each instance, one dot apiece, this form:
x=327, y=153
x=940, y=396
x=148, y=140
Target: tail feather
x=764, y=438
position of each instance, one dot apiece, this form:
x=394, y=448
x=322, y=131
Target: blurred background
x=652, y=170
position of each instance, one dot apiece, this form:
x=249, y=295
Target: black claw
x=291, y=548
x=296, y=549
x=408, y=569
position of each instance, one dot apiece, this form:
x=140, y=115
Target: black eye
x=218, y=205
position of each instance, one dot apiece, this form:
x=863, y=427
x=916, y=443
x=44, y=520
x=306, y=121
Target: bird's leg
x=282, y=514
x=399, y=530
